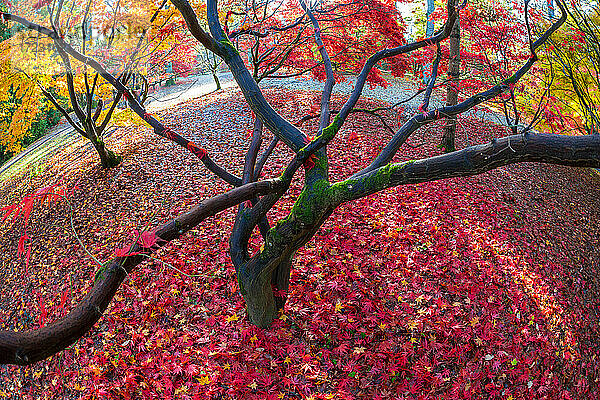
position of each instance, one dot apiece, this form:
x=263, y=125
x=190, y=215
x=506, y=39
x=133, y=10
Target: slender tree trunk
x=108, y=159
x=217, y=81
x=447, y=143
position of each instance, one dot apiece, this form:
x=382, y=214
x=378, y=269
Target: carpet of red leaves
x=481, y=287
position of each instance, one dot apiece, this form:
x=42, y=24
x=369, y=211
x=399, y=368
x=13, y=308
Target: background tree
x=452, y=89
x=477, y=54
x=134, y=38
x=570, y=72
x=263, y=273
x=211, y=62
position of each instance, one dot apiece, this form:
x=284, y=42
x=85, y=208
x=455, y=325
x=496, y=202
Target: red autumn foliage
x=455, y=288
x=41, y=3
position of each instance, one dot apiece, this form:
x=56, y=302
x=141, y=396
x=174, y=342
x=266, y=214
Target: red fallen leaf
x=130, y=380
x=309, y=138
x=147, y=239
x=191, y=370
x=177, y=369
x=167, y=384
x=21, y=246
x=40, y=4
x=125, y=252
x=279, y=292
x=414, y=387
x=353, y=135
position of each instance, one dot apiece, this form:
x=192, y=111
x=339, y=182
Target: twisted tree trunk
x=265, y=278
x=108, y=159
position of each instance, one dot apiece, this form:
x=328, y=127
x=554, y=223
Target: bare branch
x=576, y=151
x=24, y=348
x=330, y=81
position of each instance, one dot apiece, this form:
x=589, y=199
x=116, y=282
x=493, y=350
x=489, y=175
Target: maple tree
x=137, y=39
x=263, y=273
x=211, y=62
x=569, y=73
x=481, y=54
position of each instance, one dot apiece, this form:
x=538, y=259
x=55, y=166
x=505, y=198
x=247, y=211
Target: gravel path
x=398, y=90
x=199, y=85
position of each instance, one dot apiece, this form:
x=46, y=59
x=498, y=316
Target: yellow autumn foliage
x=126, y=118
x=29, y=61
x=19, y=101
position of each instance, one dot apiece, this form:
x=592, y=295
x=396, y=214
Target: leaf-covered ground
x=482, y=287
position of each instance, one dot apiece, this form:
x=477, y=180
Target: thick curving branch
x=279, y=126
x=191, y=20
x=24, y=348
x=575, y=151
x=410, y=126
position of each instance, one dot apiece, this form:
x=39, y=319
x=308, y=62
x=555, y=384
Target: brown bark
x=28, y=347
x=108, y=159
x=447, y=143
x=217, y=81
